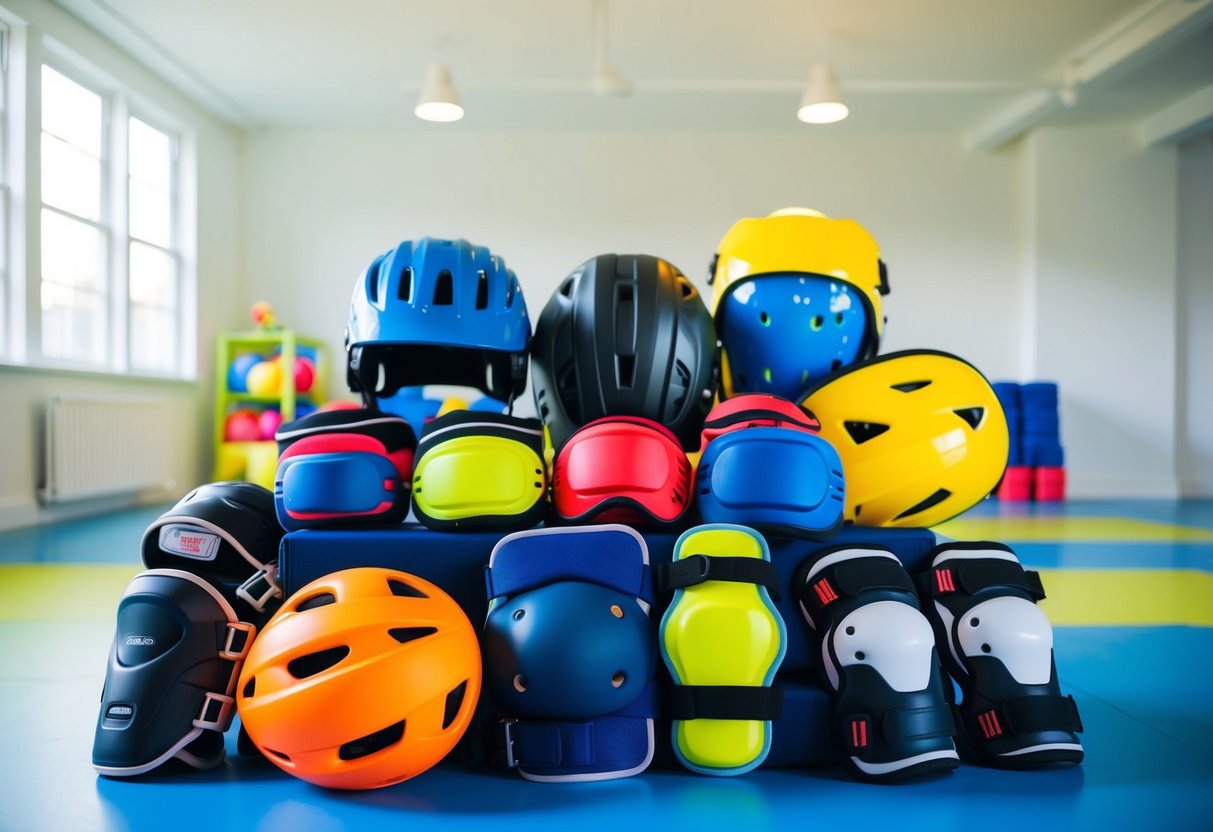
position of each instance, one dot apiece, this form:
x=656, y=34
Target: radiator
x=98, y=446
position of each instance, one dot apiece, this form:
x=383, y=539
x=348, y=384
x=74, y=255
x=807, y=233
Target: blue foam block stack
x=1008, y=396
x=1035, y=460
x=1040, y=431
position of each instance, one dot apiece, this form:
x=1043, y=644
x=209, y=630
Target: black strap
x=975, y=576
x=851, y=578
x=697, y=569
x=725, y=702
x=919, y=723
x=1033, y=714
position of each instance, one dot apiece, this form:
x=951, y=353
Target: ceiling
x=986, y=68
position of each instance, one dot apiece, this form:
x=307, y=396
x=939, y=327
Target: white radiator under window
x=100, y=446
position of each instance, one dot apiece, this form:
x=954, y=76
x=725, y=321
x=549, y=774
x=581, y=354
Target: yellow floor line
x=1128, y=597
x=63, y=591
x=1069, y=528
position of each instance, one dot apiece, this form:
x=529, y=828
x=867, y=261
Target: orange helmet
x=364, y=678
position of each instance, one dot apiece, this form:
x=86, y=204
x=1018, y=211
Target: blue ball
x=237, y=372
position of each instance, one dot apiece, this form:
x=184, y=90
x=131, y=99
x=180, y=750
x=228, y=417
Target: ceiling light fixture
x=822, y=101
x=439, y=101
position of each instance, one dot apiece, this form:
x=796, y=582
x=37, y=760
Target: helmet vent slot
x=407, y=634
x=318, y=662
x=404, y=590
x=250, y=688
x=454, y=701
x=934, y=500
x=277, y=754
x=482, y=290
x=972, y=415
x=404, y=290
x=625, y=370
x=444, y=289
x=863, y=431
x=685, y=286
x=321, y=600
x=511, y=287
x=910, y=386
x=566, y=288
x=365, y=746
x=566, y=387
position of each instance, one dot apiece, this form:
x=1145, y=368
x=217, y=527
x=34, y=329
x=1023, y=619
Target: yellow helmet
x=801, y=240
x=921, y=435
x=817, y=308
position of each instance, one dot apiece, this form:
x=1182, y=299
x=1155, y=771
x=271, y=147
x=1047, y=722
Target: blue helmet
x=783, y=333
x=437, y=312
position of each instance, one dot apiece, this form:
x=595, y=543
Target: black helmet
x=625, y=335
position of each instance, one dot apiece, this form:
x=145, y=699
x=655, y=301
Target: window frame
x=29, y=48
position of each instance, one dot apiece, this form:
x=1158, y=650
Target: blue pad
x=780, y=481
x=574, y=709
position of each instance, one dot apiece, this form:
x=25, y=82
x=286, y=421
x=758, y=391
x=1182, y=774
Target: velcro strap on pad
x=918, y=723
x=697, y=569
x=725, y=702
x=1032, y=714
x=976, y=576
x=853, y=577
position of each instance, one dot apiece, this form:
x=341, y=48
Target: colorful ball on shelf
x=305, y=374
x=268, y=423
x=263, y=314
x=242, y=426
x=237, y=372
x=265, y=378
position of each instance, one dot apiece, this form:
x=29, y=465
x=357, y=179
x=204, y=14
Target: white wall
x=1195, y=434
x=1104, y=221
x=1053, y=259
x=322, y=204
x=25, y=391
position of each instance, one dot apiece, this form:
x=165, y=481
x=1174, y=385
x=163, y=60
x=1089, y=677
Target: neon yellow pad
x=478, y=475
x=722, y=633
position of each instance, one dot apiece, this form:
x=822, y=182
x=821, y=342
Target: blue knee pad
x=570, y=654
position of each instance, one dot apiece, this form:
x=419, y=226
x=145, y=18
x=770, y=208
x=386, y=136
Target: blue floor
x=1144, y=693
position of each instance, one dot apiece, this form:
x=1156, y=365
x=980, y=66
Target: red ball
x=305, y=374
x=268, y=423
x=242, y=426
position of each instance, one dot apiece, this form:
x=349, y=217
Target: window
x=106, y=285
x=5, y=196
x=76, y=279
x=155, y=264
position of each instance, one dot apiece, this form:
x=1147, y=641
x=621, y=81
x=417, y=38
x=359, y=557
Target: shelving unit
x=255, y=461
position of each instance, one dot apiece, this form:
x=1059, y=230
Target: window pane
x=151, y=214
x=71, y=112
x=73, y=324
x=71, y=179
x=151, y=156
x=153, y=277
x=72, y=252
x=4, y=277
x=154, y=336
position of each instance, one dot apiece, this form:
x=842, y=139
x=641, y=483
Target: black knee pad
x=877, y=653
x=177, y=653
x=998, y=645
